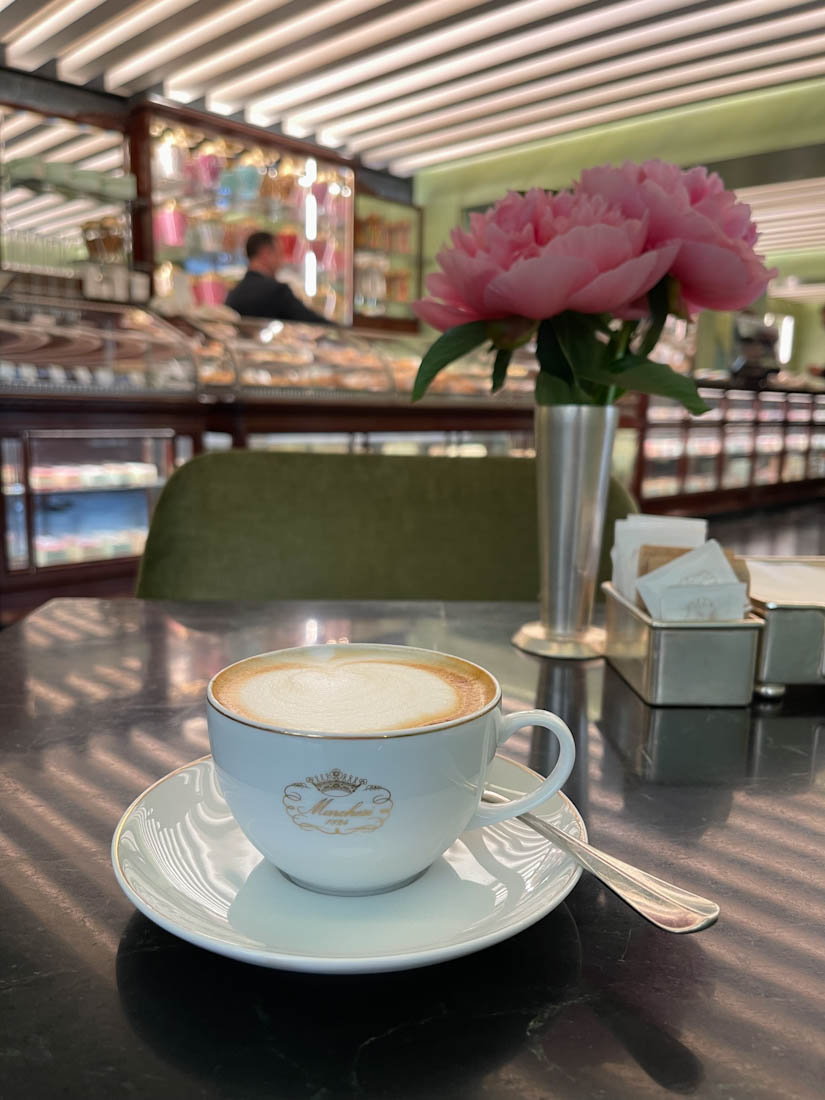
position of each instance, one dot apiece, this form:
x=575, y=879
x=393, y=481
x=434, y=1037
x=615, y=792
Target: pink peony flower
x=539, y=254
x=716, y=265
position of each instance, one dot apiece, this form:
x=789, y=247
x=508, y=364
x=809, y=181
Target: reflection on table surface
x=104, y=697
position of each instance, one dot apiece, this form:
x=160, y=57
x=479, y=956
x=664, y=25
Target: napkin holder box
x=681, y=664
x=792, y=647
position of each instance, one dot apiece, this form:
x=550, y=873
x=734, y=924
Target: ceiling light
x=483, y=57
x=86, y=146
x=179, y=43
x=72, y=214
x=643, y=105
x=14, y=197
x=18, y=122
x=114, y=158
x=76, y=65
x=556, y=85
x=77, y=208
x=41, y=27
x=789, y=214
x=376, y=33
x=296, y=130
x=680, y=76
x=38, y=143
x=23, y=209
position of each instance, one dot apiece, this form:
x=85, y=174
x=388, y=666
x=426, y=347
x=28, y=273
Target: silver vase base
x=536, y=639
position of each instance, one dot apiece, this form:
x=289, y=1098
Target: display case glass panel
x=661, y=410
x=663, y=450
x=795, y=463
x=738, y=458
x=703, y=448
x=92, y=492
x=799, y=408
x=71, y=346
x=819, y=409
x=767, y=467
x=741, y=406
x=771, y=407
x=211, y=191
x=14, y=504
x=816, y=467
x=715, y=400
x=287, y=361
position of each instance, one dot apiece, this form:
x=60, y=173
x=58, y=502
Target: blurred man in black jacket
x=259, y=294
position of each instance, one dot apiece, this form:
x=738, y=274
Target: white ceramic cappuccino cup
x=361, y=813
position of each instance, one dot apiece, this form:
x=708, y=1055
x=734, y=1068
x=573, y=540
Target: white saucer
x=181, y=859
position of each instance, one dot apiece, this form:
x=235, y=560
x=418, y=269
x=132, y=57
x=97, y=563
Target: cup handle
x=492, y=814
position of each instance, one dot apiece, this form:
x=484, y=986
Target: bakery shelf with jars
x=212, y=187
x=387, y=262
x=66, y=201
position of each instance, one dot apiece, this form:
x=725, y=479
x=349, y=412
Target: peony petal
x=605, y=245
x=439, y=286
x=443, y=317
x=624, y=284
x=716, y=277
x=538, y=287
x=469, y=275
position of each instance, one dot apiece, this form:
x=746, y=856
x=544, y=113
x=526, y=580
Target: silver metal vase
x=574, y=447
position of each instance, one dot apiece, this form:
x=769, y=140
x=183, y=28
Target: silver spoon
x=667, y=906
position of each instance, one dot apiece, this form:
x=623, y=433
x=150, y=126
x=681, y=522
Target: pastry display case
x=80, y=496
x=387, y=261
x=750, y=449
x=288, y=362
x=212, y=186
x=74, y=347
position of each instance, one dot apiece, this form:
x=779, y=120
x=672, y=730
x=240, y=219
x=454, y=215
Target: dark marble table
x=101, y=698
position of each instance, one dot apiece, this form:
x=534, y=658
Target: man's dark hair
x=257, y=241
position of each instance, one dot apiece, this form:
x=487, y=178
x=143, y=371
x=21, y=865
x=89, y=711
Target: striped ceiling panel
x=790, y=216
x=408, y=84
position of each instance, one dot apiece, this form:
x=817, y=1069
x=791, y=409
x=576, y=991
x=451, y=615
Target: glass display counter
x=284, y=361
x=63, y=346
x=750, y=449
x=80, y=496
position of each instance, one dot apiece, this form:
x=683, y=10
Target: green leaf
x=644, y=376
x=551, y=390
x=500, y=368
x=576, y=334
x=659, y=301
x=451, y=345
x=550, y=355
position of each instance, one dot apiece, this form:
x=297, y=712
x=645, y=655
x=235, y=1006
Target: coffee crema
x=351, y=690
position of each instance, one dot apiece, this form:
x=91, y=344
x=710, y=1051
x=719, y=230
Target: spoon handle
x=663, y=904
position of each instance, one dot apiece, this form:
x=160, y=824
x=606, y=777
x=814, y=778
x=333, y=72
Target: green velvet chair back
x=256, y=525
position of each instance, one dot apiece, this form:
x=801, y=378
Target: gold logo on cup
x=336, y=802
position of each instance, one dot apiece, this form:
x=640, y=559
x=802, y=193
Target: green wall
x=734, y=126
